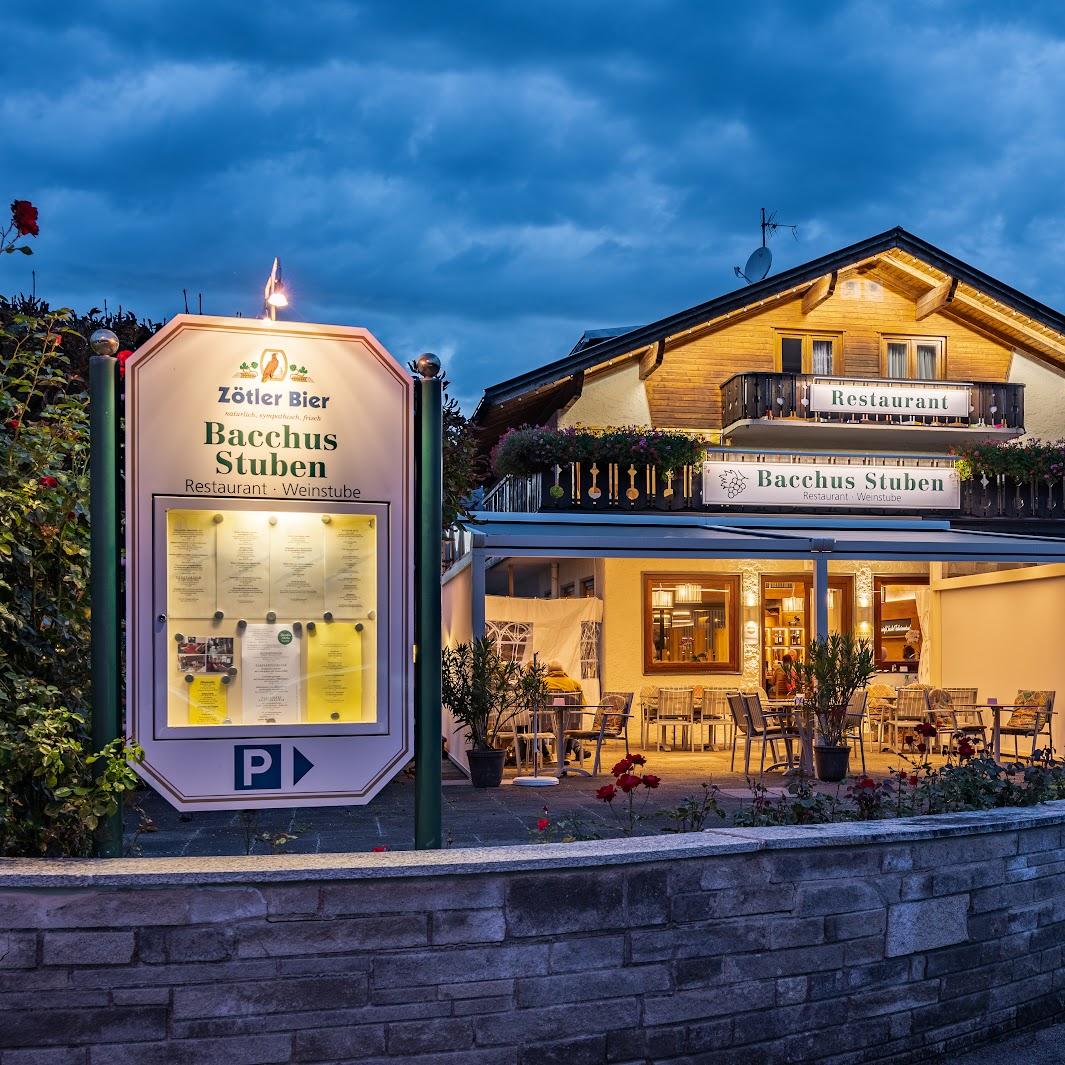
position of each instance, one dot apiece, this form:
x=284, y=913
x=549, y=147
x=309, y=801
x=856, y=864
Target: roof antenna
x=761, y=259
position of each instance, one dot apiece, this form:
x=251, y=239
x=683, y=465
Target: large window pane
x=898, y=636
x=822, y=356
x=896, y=360
x=928, y=362
x=791, y=355
x=690, y=623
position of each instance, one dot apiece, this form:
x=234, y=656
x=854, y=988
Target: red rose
x=637, y=759
x=14, y=423
x=650, y=780
x=913, y=781
x=628, y=782
x=24, y=215
x=925, y=729
x=542, y=824
x=48, y=482
x=621, y=767
x=865, y=783
x=122, y=356
x=606, y=793
x=381, y=849
x=965, y=749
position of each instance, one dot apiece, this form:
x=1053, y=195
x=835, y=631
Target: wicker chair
x=1032, y=714
x=609, y=721
x=912, y=708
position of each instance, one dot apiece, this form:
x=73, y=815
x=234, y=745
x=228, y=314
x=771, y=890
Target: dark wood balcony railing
x=763, y=396
x=619, y=488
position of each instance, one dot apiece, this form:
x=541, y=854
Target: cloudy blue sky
x=486, y=180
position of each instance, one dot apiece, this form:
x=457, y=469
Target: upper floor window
x=817, y=353
x=913, y=358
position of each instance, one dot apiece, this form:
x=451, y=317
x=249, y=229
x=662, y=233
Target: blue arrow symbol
x=301, y=766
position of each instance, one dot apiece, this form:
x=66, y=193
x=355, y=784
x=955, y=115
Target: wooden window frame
x=732, y=623
x=844, y=582
x=587, y=587
x=911, y=343
x=808, y=337
x=885, y=664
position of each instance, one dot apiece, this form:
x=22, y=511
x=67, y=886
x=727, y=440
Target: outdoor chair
x=609, y=721
x=943, y=716
x=1032, y=715
x=772, y=728
x=741, y=726
x=911, y=709
x=880, y=707
x=715, y=714
x=676, y=710
x=968, y=719
x=855, y=720
x=648, y=711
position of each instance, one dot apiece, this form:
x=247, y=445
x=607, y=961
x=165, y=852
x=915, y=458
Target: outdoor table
x=802, y=718
x=996, y=725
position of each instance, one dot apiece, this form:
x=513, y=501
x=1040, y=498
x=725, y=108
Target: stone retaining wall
x=836, y=944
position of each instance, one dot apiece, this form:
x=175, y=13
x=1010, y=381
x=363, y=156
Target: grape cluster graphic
x=733, y=483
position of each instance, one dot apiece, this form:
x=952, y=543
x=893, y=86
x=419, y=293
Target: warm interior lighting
x=662, y=598
x=689, y=593
x=792, y=604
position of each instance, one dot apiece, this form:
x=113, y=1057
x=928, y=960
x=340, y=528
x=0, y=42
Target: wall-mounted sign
x=833, y=395
x=269, y=545
x=817, y=484
x=896, y=627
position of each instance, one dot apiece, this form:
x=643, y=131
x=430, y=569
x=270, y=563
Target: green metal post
x=428, y=481
x=103, y=560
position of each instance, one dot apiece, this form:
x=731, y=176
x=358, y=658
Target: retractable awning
x=660, y=536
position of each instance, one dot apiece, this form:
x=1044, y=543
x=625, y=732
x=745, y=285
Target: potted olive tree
x=485, y=692
x=836, y=666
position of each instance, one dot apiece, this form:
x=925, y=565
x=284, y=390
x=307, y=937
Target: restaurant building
x=853, y=410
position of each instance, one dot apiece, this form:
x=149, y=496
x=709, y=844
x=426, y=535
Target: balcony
x=615, y=488
x=781, y=410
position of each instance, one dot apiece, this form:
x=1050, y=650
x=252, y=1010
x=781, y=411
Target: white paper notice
x=190, y=563
x=350, y=566
x=243, y=564
x=270, y=675
x=296, y=577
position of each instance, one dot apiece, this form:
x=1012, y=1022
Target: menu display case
x=272, y=615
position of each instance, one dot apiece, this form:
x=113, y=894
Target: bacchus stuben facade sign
x=843, y=481
x=269, y=490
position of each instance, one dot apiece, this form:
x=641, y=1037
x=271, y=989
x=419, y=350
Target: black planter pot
x=486, y=768
x=830, y=763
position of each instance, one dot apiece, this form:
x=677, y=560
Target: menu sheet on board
x=296, y=566
x=334, y=673
x=207, y=700
x=243, y=564
x=350, y=565
x=270, y=675
x=190, y=563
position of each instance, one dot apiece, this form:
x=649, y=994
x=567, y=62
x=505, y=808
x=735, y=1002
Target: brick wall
x=840, y=944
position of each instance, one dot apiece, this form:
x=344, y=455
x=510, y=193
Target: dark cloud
x=489, y=179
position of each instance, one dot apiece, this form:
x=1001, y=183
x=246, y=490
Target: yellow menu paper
x=207, y=701
x=334, y=674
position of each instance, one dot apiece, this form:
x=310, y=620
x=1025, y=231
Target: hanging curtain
x=926, y=361
x=896, y=360
x=822, y=356
x=924, y=618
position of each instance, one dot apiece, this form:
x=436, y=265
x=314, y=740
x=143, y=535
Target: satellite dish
x=761, y=259
x=758, y=264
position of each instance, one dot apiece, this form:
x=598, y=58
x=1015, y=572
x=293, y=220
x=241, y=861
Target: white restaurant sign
x=269, y=576
x=822, y=484
x=830, y=395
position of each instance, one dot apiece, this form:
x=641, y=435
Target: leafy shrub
x=529, y=450
x=53, y=788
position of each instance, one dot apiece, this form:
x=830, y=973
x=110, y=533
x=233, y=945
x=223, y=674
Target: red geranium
x=606, y=793
x=542, y=824
x=122, y=356
x=650, y=780
x=48, y=482
x=628, y=782
x=24, y=218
